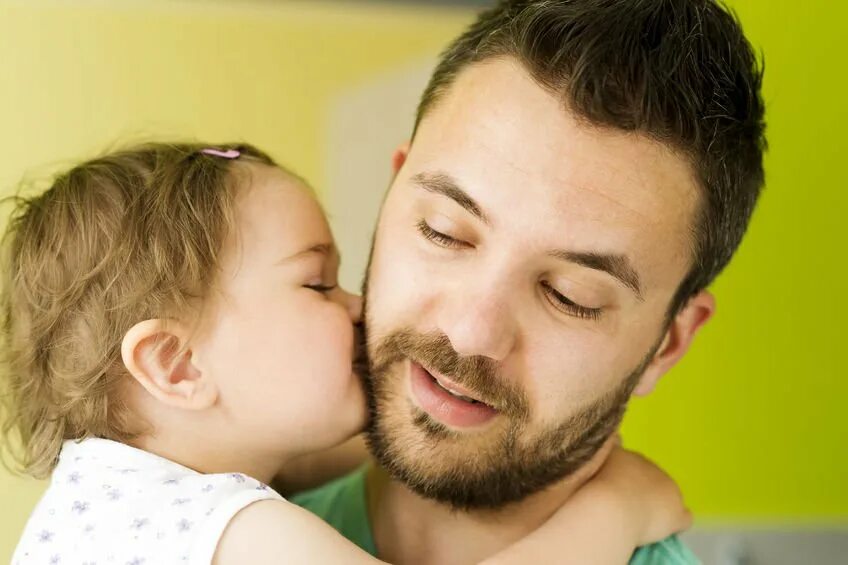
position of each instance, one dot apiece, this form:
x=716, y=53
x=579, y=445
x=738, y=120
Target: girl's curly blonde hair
x=126, y=237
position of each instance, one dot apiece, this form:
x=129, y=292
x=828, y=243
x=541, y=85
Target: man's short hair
x=679, y=71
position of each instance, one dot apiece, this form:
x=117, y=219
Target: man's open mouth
x=446, y=401
x=452, y=389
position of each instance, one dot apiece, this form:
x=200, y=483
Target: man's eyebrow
x=617, y=266
x=317, y=249
x=446, y=185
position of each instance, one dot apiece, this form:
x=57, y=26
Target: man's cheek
x=394, y=275
x=553, y=383
x=559, y=395
x=385, y=302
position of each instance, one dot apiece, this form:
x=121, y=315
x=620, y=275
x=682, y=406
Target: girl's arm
x=630, y=502
x=627, y=503
x=270, y=532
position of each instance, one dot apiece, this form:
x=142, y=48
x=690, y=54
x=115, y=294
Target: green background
x=752, y=422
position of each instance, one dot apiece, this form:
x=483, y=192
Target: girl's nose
x=353, y=304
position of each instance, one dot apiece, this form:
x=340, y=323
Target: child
x=175, y=337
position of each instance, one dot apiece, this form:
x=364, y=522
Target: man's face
x=522, y=269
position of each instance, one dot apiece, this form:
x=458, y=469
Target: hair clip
x=229, y=154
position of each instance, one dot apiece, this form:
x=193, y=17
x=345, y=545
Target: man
x=580, y=171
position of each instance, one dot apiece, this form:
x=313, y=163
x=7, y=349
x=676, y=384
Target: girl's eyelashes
x=439, y=238
x=568, y=306
x=323, y=289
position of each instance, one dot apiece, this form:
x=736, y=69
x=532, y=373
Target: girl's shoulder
x=109, y=501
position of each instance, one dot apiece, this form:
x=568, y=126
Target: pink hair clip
x=229, y=154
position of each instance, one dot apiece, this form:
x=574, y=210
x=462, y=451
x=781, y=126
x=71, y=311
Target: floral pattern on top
x=109, y=503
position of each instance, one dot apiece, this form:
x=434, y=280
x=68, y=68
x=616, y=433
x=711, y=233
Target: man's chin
x=488, y=470
x=460, y=468
x=464, y=471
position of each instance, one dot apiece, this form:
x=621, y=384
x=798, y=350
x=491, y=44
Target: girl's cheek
x=342, y=327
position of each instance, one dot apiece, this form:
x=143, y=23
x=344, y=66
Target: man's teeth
x=456, y=394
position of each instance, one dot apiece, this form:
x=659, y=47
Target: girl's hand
x=650, y=502
x=622, y=501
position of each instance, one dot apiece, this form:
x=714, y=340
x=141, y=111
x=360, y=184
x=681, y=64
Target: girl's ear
x=157, y=354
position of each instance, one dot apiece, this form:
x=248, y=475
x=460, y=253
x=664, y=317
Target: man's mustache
x=434, y=352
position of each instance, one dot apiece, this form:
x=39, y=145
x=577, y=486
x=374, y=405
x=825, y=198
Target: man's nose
x=480, y=324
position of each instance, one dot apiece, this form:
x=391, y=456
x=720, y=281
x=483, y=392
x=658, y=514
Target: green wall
x=752, y=422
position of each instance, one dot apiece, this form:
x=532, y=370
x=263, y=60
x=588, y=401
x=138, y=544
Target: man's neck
x=411, y=530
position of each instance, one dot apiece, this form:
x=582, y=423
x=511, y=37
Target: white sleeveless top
x=111, y=503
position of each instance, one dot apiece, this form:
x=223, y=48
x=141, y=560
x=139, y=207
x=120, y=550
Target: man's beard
x=485, y=470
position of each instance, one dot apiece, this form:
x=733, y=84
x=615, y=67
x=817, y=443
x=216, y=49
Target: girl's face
x=277, y=335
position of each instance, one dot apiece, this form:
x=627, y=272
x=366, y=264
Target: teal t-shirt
x=341, y=503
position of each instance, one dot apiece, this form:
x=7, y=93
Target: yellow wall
x=749, y=422
x=77, y=76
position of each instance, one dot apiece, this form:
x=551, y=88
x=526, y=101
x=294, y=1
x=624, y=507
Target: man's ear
x=156, y=354
x=399, y=156
x=697, y=311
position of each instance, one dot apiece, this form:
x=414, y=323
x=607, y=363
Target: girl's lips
x=441, y=405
